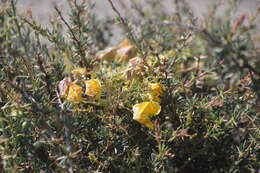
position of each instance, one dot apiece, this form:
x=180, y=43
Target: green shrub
x=208, y=105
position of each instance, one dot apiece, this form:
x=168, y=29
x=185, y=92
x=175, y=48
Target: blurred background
x=43, y=9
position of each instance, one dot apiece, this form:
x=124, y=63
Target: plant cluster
x=176, y=95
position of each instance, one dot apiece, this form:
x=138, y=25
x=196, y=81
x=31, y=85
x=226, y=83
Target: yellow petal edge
x=74, y=93
x=93, y=88
x=143, y=110
x=156, y=89
x=155, y=92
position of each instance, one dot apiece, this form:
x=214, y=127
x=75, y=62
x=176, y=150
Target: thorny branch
x=68, y=26
x=192, y=28
x=132, y=37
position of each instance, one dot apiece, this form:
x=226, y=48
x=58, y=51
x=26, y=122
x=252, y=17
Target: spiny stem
x=132, y=37
x=68, y=26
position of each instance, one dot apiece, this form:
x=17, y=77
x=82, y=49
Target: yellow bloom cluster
x=143, y=111
x=72, y=92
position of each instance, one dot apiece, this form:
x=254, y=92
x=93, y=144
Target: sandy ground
x=43, y=8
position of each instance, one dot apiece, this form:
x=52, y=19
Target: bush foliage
x=73, y=102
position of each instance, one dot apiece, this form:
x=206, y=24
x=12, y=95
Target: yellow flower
x=79, y=72
x=74, y=93
x=144, y=110
x=156, y=91
x=93, y=88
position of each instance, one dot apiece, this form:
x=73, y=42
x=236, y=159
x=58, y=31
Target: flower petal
x=147, y=108
x=144, y=120
x=93, y=88
x=74, y=93
x=156, y=89
x=143, y=110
